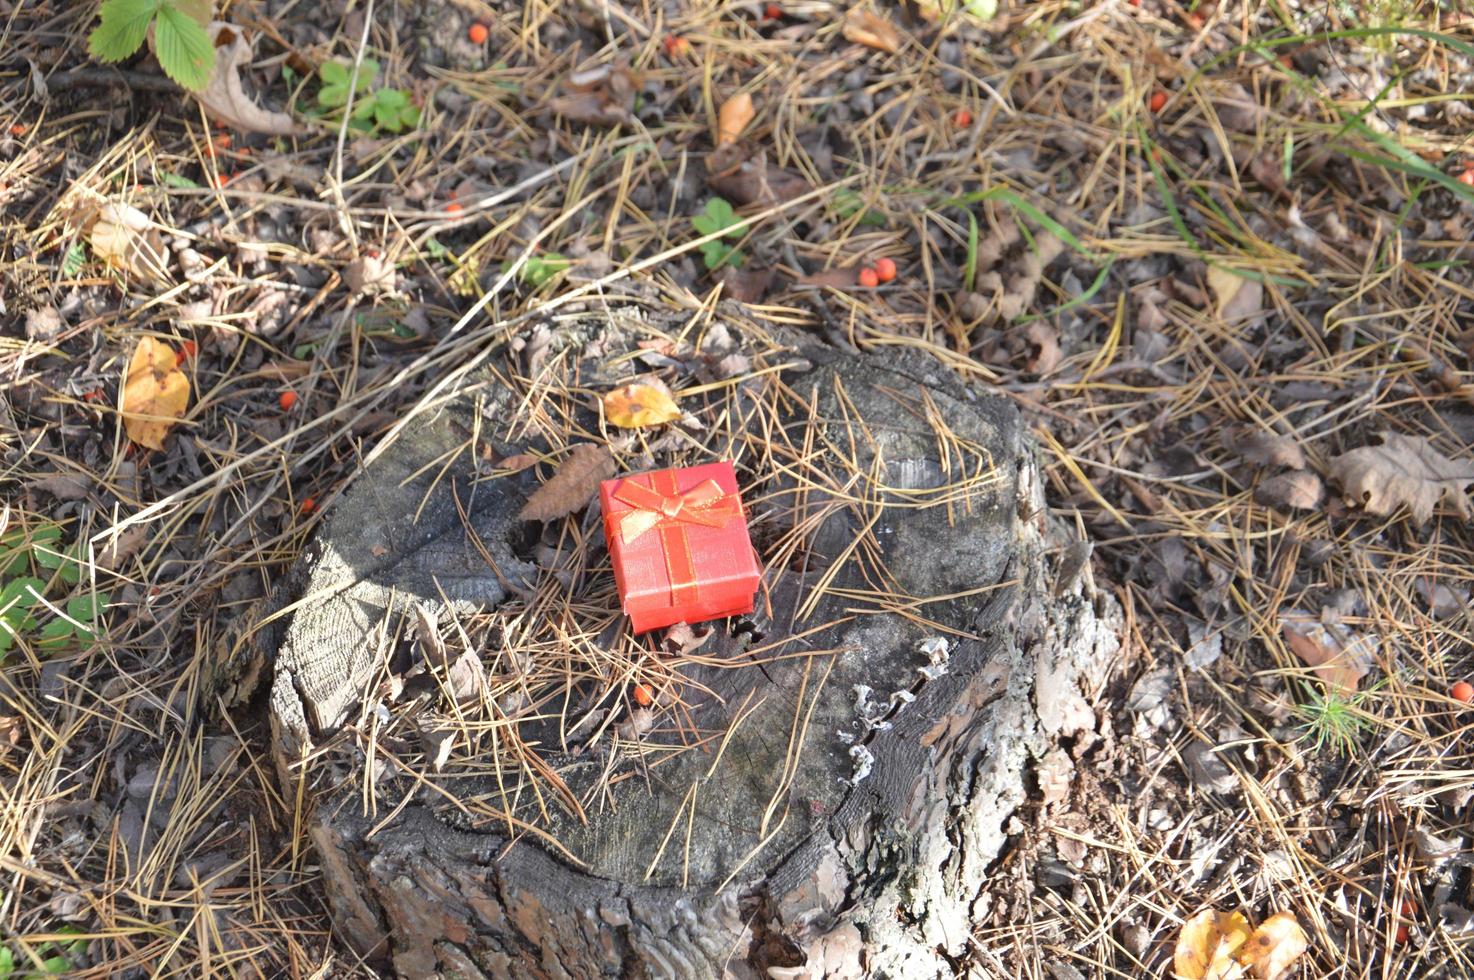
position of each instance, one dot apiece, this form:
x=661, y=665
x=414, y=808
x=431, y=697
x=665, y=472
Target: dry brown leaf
x=1299, y=490
x=1274, y=947
x=602, y=96
x=224, y=98
x=872, y=30
x=573, y=486
x=733, y=117
x=370, y=273
x=1403, y=471
x=126, y=239
x=1265, y=448
x=155, y=394
x=1338, y=656
x=1205, y=948
x=1237, y=297
x=751, y=181
x=517, y=463
x=746, y=285
x=635, y=406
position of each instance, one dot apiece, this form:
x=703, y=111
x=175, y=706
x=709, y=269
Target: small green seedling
x=388, y=109
x=181, y=42
x=1334, y=720
x=53, y=958
x=846, y=204
x=539, y=270
x=33, y=566
x=718, y=216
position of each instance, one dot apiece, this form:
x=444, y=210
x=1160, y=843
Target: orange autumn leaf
x=733, y=117
x=1206, y=947
x=155, y=394
x=636, y=406
x=1274, y=947
x=1222, y=946
x=872, y=30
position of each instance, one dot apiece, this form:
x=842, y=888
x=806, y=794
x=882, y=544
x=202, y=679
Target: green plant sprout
x=1334, y=720
x=718, y=216
x=53, y=958
x=388, y=109
x=25, y=557
x=181, y=41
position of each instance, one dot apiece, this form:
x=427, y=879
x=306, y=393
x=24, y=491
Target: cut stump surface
x=816, y=790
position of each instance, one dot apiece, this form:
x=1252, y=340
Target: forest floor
x=1217, y=254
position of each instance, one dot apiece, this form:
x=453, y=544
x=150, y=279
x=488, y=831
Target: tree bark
x=867, y=735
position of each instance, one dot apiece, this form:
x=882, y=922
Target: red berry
x=1402, y=934
x=17, y=130
x=223, y=141
x=186, y=351
x=1409, y=910
x=675, y=46
x=308, y=505
x=454, y=207
x=1462, y=691
x=1467, y=177
x=478, y=33
x=1136, y=3
x=868, y=278
x=1157, y=100
x=287, y=400
x=773, y=12
x=643, y=695
x=885, y=269
x=962, y=118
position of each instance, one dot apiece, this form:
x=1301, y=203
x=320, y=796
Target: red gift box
x=678, y=539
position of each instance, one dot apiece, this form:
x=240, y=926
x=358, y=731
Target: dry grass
x=138, y=812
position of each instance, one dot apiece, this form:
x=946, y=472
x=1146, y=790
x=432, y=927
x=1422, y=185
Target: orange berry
x=773, y=12
x=222, y=179
x=1157, y=100
x=1195, y=21
x=1136, y=3
x=868, y=278
x=17, y=130
x=454, y=207
x=1402, y=934
x=676, y=46
x=1462, y=691
x=1409, y=910
x=885, y=269
x=287, y=400
x=186, y=351
x=478, y=33
x=962, y=118
x=223, y=141
x=1467, y=177
x=308, y=505
x=643, y=695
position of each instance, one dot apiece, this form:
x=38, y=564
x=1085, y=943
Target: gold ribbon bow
x=665, y=508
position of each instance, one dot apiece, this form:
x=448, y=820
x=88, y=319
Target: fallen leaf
x=573, y=486
x=63, y=486
x=602, y=96
x=1237, y=298
x=1300, y=490
x=835, y=278
x=872, y=30
x=369, y=273
x=635, y=406
x=155, y=394
x=125, y=238
x=1206, y=946
x=1402, y=471
x=733, y=117
x=1274, y=947
x=517, y=463
x=1338, y=656
x=741, y=180
x=1265, y=448
x=746, y=285
x=224, y=98
x=1042, y=341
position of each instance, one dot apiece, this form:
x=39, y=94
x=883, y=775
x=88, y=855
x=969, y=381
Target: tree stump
x=814, y=791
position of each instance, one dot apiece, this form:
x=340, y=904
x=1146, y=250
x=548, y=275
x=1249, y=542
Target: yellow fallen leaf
x=871, y=30
x=126, y=239
x=1206, y=947
x=635, y=406
x=155, y=394
x=1237, y=297
x=1274, y=947
x=733, y=117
